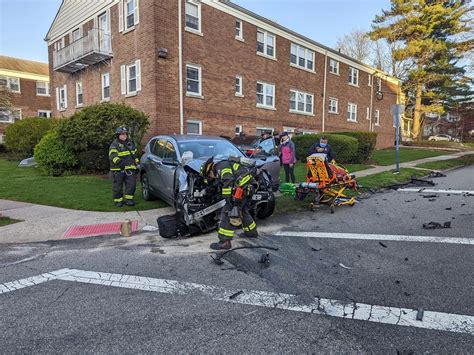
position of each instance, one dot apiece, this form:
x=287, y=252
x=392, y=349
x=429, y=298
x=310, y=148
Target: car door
x=267, y=151
x=155, y=166
x=168, y=168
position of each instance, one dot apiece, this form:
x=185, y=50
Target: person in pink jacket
x=288, y=156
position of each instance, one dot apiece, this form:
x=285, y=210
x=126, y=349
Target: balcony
x=93, y=48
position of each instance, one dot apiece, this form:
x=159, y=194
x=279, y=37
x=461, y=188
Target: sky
x=24, y=23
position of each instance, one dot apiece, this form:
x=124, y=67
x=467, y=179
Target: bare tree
x=355, y=44
x=5, y=95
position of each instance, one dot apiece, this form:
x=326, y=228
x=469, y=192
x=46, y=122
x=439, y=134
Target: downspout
x=323, y=117
x=180, y=65
x=374, y=76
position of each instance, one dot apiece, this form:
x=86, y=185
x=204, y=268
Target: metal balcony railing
x=92, y=48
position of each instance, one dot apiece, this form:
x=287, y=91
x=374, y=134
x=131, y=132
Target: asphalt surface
x=70, y=317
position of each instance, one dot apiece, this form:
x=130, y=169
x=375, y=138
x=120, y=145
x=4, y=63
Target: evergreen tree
x=431, y=36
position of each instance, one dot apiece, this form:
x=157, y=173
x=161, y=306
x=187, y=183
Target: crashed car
x=171, y=170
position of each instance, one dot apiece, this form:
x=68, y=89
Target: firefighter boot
x=223, y=244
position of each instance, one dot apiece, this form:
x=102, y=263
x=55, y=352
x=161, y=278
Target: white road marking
x=457, y=323
x=31, y=281
x=397, y=238
x=436, y=191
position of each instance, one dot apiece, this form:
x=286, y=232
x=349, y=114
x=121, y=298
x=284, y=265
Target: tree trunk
x=417, y=113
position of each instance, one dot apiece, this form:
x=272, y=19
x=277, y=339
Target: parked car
x=170, y=170
x=443, y=137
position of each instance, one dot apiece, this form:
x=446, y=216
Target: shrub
x=344, y=146
x=53, y=156
x=94, y=160
x=22, y=136
x=366, y=140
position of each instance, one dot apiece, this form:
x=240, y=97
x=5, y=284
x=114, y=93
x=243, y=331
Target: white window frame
x=47, y=112
x=61, y=105
x=11, y=116
x=353, y=76
x=9, y=81
x=125, y=78
x=333, y=105
x=238, y=129
x=46, y=87
x=379, y=84
x=306, y=51
x=123, y=15
x=351, y=112
x=198, y=5
x=79, y=34
x=297, y=94
x=199, y=123
x=266, y=35
x=367, y=115
x=79, y=94
x=377, y=117
x=199, y=69
x=260, y=128
x=333, y=69
x=104, y=98
x=369, y=82
x=239, y=31
x=239, y=88
x=2, y=138
x=264, y=94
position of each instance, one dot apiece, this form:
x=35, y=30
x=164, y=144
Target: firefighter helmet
x=207, y=167
x=120, y=130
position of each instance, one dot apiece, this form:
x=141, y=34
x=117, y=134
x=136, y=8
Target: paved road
x=317, y=294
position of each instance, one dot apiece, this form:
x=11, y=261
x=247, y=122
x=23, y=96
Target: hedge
x=345, y=147
x=89, y=132
x=366, y=140
x=22, y=136
x=53, y=156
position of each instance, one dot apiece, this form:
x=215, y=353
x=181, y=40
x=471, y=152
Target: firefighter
x=237, y=188
x=124, y=167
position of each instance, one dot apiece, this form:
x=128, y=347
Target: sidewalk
x=409, y=164
x=42, y=223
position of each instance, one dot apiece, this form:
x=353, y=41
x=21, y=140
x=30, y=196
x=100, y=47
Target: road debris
x=382, y=244
x=265, y=259
x=316, y=249
x=436, y=174
x=345, y=267
x=231, y=297
x=419, y=314
x=218, y=256
x=436, y=225
x=430, y=196
x=448, y=208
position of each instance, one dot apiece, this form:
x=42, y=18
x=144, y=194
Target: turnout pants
x=129, y=178
x=227, y=230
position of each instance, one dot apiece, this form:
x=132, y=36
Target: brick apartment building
x=210, y=67
x=28, y=85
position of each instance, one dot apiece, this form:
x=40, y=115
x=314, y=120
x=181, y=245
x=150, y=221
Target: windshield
x=219, y=149
x=246, y=140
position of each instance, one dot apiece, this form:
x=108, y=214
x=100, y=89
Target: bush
x=53, y=157
x=94, y=160
x=92, y=129
x=366, y=140
x=22, y=136
x=344, y=146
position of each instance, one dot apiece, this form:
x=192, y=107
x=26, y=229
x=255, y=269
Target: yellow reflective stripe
x=226, y=232
x=252, y=226
x=227, y=190
x=245, y=180
x=130, y=167
x=226, y=171
x=116, y=159
x=236, y=166
x=137, y=160
x=134, y=151
x=118, y=199
x=246, y=229
x=129, y=197
x=122, y=154
x=112, y=151
x=115, y=169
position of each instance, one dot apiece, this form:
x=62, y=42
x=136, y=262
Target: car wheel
x=146, y=193
x=266, y=209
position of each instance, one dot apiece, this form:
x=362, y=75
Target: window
x=265, y=95
x=260, y=130
x=369, y=80
x=128, y=15
x=193, y=15
x=238, y=86
x=301, y=102
x=9, y=115
x=377, y=117
x=333, y=105
x=44, y=113
x=194, y=127
x=379, y=84
x=131, y=78
x=353, y=76
x=76, y=34
x=105, y=86
x=333, y=66
x=302, y=57
x=367, y=115
x=42, y=88
x=352, y=112
x=239, y=34
x=12, y=83
x=266, y=43
x=2, y=137
x=79, y=94
x=238, y=129
x=61, y=98
x=193, y=80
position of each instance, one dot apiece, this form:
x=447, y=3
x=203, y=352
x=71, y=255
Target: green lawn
x=6, y=220
x=448, y=164
x=90, y=193
x=300, y=170
x=387, y=156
